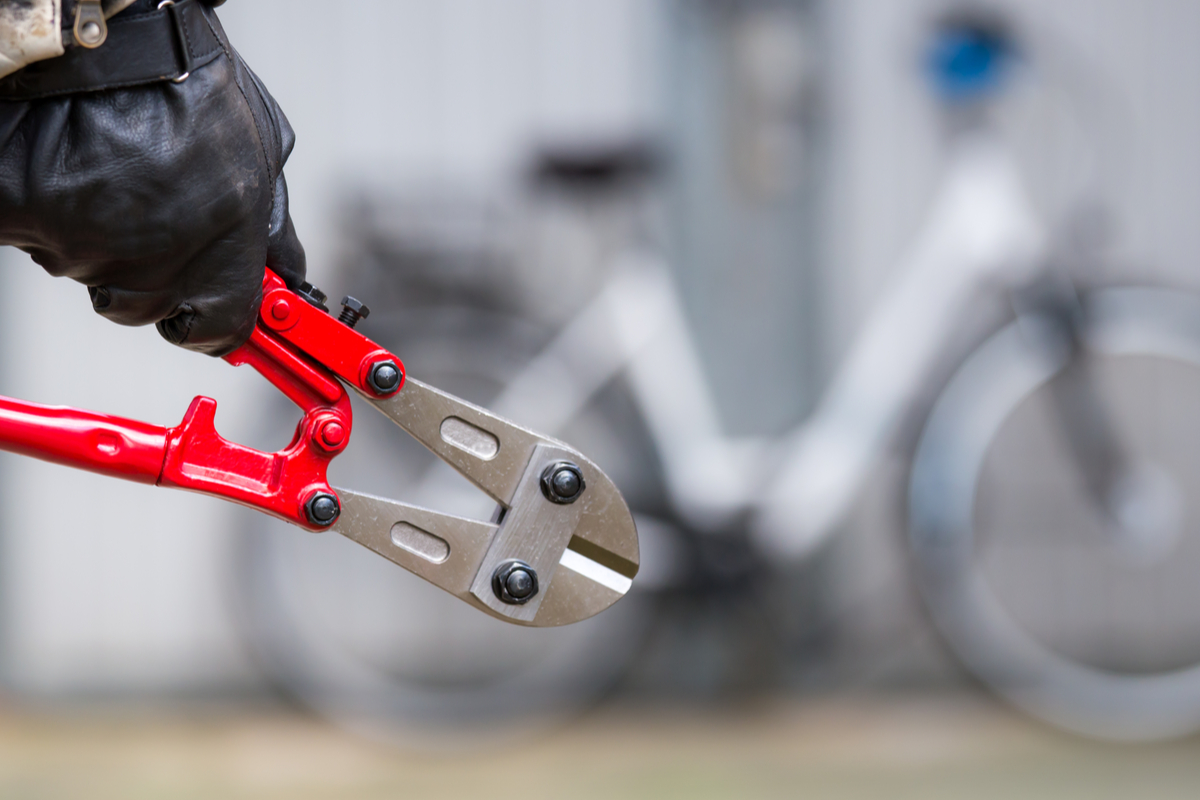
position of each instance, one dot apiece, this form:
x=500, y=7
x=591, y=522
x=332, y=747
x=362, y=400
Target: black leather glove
x=165, y=199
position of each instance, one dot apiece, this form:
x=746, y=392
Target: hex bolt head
x=352, y=311
x=515, y=582
x=313, y=295
x=562, y=482
x=384, y=377
x=322, y=509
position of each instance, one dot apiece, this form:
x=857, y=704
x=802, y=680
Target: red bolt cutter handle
x=298, y=348
x=122, y=448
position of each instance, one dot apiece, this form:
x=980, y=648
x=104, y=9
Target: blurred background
x=917, y=274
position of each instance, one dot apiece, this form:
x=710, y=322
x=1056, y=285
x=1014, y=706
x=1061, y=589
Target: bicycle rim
x=1126, y=686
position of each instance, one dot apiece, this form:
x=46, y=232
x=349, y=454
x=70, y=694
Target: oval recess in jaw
x=420, y=543
x=469, y=438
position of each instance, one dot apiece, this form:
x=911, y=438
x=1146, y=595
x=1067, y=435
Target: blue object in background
x=968, y=62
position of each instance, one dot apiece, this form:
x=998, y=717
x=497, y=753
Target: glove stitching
x=187, y=41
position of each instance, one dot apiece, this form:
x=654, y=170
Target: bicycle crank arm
x=563, y=528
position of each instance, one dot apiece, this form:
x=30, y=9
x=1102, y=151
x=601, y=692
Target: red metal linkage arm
x=300, y=353
x=285, y=483
x=348, y=354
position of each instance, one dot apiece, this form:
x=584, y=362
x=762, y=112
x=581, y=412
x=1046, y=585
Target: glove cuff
x=141, y=48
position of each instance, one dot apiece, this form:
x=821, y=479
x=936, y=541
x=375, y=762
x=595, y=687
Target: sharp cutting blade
x=584, y=553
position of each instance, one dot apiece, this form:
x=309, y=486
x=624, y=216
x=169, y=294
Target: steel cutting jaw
x=563, y=546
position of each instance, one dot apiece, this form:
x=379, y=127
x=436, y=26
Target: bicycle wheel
x=380, y=651
x=1083, y=622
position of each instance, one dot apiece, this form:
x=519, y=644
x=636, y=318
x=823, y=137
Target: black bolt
x=519, y=584
x=565, y=483
x=322, y=509
x=515, y=582
x=562, y=482
x=313, y=295
x=352, y=311
x=384, y=377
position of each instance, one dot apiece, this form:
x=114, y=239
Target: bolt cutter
x=562, y=545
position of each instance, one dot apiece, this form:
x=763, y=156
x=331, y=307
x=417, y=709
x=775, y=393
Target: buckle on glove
x=90, y=28
x=180, y=36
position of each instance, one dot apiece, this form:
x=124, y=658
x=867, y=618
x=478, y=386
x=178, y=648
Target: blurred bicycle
x=1049, y=490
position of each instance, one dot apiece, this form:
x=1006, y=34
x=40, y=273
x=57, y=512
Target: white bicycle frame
x=980, y=234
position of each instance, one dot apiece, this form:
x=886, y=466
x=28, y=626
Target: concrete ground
x=930, y=747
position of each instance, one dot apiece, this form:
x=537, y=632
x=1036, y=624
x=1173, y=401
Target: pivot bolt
x=515, y=582
x=331, y=435
x=352, y=312
x=280, y=310
x=384, y=377
x=322, y=509
x=562, y=482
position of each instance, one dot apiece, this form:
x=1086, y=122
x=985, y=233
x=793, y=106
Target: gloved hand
x=165, y=199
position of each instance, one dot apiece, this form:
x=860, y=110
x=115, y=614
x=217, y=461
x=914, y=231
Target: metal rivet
x=90, y=30
x=90, y=33
x=280, y=310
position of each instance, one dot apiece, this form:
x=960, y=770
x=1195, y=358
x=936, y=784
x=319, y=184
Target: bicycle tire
x=1062, y=681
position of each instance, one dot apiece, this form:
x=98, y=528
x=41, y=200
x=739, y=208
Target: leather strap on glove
x=138, y=47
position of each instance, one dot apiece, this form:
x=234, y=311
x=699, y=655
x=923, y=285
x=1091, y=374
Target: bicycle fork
x=1134, y=496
